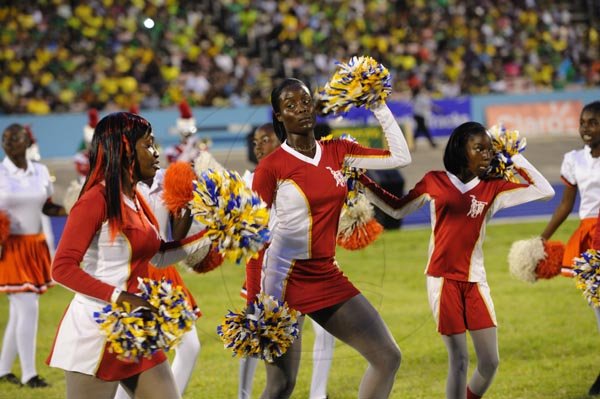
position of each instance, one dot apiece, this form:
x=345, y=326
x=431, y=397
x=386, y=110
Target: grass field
x=549, y=342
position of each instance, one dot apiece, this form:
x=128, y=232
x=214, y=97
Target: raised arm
x=398, y=154
x=538, y=188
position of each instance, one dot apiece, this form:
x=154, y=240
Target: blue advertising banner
x=447, y=114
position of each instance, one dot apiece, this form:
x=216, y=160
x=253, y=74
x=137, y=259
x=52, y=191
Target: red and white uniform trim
x=90, y=264
x=306, y=195
x=459, y=213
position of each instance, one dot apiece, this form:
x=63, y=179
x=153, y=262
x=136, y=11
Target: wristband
x=115, y=295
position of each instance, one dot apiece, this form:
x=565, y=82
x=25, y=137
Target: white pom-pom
x=523, y=258
x=358, y=214
x=196, y=257
x=205, y=161
x=71, y=195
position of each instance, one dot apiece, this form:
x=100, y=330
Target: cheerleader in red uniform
x=303, y=183
x=188, y=350
x=25, y=191
x=462, y=200
x=265, y=142
x=110, y=237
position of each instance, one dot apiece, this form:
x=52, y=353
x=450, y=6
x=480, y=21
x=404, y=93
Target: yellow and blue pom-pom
x=265, y=329
x=235, y=217
x=506, y=143
x=133, y=334
x=587, y=275
x=360, y=82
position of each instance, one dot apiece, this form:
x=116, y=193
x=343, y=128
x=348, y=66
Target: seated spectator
x=62, y=56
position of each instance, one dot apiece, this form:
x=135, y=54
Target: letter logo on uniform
x=340, y=180
x=477, y=207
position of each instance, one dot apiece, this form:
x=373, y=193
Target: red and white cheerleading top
x=94, y=267
x=307, y=194
x=459, y=213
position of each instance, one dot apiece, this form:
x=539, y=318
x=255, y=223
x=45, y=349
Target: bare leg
x=458, y=365
x=281, y=374
x=357, y=323
x=154, y=383
x=485, y=342
x=322, y=357
x=89, y=387
x=183, y=364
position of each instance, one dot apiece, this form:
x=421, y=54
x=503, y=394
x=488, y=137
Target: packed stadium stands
x=59, y=56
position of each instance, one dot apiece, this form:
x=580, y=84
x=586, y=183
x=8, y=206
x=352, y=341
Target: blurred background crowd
x=60, y=56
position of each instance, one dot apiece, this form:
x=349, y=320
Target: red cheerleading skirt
x=581, y=240
x=25, y=264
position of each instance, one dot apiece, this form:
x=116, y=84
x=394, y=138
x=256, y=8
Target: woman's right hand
x=137, y=303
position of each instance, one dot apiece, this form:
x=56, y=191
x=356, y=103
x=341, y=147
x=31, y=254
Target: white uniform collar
x=313, y=161
x=14, y=170
x=463, y=187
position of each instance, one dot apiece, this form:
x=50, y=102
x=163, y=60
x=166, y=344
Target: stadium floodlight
x=149, y=23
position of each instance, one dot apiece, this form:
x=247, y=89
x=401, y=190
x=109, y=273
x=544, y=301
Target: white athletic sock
x=27, y=305
x=247, y=369
x=9, y=343
x=322, y=357
x=186, y=354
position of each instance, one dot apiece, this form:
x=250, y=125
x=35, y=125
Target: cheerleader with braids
x=110, y=237
x=175, y=227
x=303, y=183
x=462, y=199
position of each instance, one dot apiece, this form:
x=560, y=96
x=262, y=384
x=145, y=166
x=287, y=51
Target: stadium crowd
x=58, y=55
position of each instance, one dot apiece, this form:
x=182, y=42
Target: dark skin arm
x=52, y=209
x=135, y=301
x=561, y=212
x=180, y=225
